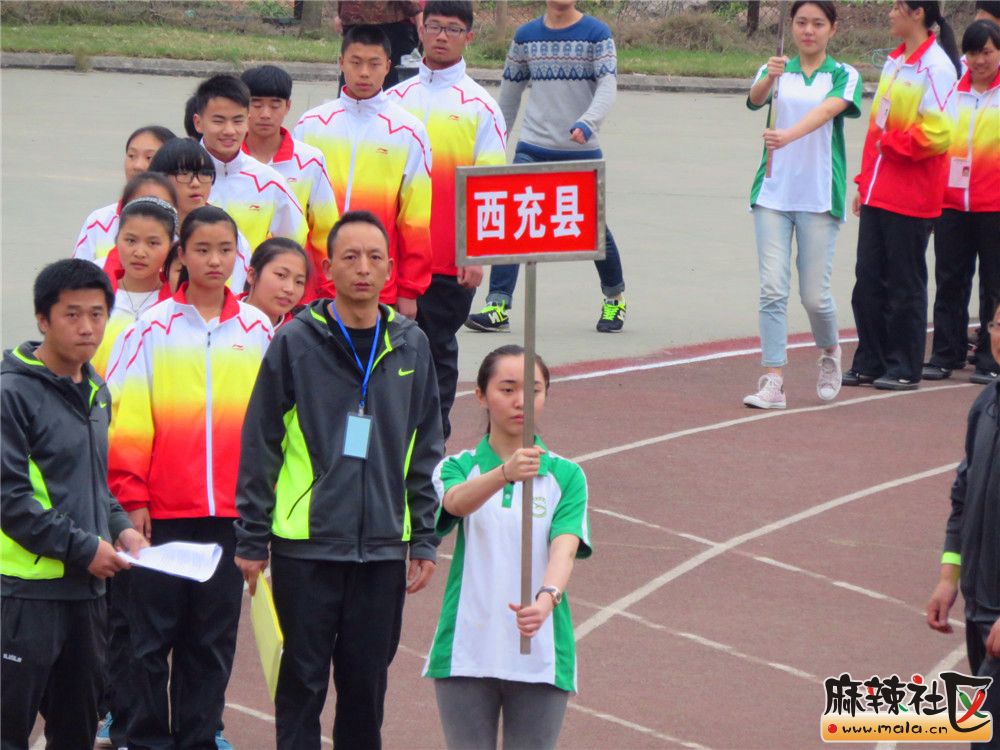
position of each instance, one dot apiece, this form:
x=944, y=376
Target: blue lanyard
x=371, y=357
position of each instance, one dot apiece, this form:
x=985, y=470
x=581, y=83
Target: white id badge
x=359, y=429
x=882, y=114
x=958, y=173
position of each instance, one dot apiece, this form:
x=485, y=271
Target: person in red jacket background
x=900, y=190
x=970, y=222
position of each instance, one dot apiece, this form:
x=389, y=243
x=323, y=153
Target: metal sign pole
x=528, y=440
x=772, y=118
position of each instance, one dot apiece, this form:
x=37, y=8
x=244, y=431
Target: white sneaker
x=828, y=385
x=771, y=394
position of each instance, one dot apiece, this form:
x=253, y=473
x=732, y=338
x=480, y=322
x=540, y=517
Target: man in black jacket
x=340, y=440
x=58, y=518
x=972, y=541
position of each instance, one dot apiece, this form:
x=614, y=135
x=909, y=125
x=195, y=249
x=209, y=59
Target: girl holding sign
x=970, y=222
x=803, y=194
x=475, y=657
x=900, y=190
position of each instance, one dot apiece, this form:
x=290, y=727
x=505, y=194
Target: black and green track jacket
x=295, y=488
x=54, y=480
x=972, y=537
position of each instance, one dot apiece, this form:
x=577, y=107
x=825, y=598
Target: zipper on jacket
x=304, y=493
x=968, y=154
x=350, y=177
x=209, y=458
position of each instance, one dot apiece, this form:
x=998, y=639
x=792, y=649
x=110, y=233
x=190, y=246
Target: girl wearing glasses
x=190, y=169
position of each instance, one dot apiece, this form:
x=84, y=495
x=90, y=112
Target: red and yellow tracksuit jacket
x=122, y=316
x=304, y=169
x=258, y=199
x=175, y=442
x=97, y=235
x=379, y=158
x=976, y=140
x=903, y=165
x=466, y=128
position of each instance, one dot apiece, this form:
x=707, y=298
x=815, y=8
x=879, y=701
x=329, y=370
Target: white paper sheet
x=185, y=559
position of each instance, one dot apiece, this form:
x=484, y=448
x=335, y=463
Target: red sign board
x=522, y=212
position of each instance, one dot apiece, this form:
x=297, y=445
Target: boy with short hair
x=570, y=61
x=466, y=128
x=58, y=518
x=341, y=438
x=302, y=165
x=378, y=157
x=254, y=194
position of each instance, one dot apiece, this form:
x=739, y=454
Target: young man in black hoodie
x=972, y=541
x=340, y=440
x=58, y=519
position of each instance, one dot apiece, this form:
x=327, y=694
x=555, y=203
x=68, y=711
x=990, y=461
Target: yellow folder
x=267, y=631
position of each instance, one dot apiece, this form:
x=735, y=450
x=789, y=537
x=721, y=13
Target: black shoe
x=889, y=383
x=612, y=316
x=933, y=372
x=854, y=378
x=983, y=377
x=494, y=318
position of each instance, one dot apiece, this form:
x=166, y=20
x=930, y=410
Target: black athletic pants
x=959, y=238
x=53, y=664
x=890, y=294
x=347, y=614
x=441, y=311
x=117, y=691
x=984, y=665
x=195, y=625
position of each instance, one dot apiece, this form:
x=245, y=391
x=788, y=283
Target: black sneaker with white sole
x=612, y=316
x=494, y=318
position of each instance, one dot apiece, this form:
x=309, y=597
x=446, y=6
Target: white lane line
x=39, y=744
x=412, y=651
x=640, y=522
x=871, y=593
x=634, y=727
x=948, y=662
x=267, y=717
x=650, y=587
x=774, y=414
x=729, y=354
x=707, y=642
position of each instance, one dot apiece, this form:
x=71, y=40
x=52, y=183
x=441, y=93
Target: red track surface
x=698, y=623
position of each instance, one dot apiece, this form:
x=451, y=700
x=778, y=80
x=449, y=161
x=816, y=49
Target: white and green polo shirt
x=477, y=634
x=809, y=174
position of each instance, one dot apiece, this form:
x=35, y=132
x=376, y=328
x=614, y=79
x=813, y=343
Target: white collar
x=363, y=107
x=225, y=168
x=444, y=77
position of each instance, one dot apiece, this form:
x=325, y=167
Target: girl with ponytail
x=900, y=193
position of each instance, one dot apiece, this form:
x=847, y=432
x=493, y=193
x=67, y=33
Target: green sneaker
x=612, y=316
x=491, y=319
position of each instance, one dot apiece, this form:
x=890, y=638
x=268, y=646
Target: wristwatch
x=552, y=591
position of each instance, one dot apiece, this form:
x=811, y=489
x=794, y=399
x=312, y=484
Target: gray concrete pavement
x=679, y=171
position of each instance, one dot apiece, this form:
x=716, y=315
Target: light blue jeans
x=816, y=237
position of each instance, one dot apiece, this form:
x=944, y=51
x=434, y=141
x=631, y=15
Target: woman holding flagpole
x=799, y=190
x=475, y=660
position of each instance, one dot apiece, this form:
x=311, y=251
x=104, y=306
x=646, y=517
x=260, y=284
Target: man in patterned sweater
x=569, y=58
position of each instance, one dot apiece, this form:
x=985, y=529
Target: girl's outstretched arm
x=466, y=498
